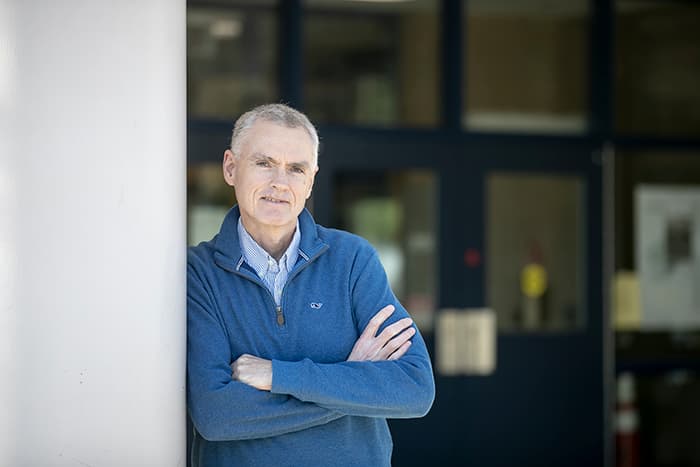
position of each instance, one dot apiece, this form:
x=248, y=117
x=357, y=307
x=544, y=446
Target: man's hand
x=253, y=371
x=391, y=344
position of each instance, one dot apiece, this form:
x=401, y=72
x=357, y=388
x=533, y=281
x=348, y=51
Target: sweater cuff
x=287, y=379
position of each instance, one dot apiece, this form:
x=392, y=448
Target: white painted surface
x=92, y=232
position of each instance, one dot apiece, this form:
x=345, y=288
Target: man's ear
x=229, y=166
x=311, y=185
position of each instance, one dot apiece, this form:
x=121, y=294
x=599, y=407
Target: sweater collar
x=228, y=248
x=259, y=259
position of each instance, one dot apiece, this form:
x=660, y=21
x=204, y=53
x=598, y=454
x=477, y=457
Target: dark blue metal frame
x=451, y=51
x=291, y=53
x=601, y=72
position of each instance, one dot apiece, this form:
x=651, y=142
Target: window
x=372, y=63
x=526, y=66
x=535, y=268
x=395, y=211
x=657, y=68
x=231, y=58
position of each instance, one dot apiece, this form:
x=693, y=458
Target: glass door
x=396, y=211
x=529, y=240
x=495, y=249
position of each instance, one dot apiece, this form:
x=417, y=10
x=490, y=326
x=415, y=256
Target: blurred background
x=529, y=172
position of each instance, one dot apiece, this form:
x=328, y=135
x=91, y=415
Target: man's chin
x=277, y=219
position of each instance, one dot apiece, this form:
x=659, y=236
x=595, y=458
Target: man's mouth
x=274, y=200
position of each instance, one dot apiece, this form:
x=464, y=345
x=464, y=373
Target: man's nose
x=280, y=178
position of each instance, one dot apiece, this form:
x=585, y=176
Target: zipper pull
x=280, y=316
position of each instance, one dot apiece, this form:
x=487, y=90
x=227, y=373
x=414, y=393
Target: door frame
x=462, y=163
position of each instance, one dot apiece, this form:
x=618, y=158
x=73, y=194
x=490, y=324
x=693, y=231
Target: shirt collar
x=259, y=259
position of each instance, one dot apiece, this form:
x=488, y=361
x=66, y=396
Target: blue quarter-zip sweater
x=321, y=410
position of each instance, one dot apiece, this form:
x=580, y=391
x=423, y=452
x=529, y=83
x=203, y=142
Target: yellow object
x=533, y=280
x=626, y=304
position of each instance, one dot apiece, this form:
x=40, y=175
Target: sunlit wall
x=92, y=233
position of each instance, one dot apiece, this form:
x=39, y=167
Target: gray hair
x=275, y=113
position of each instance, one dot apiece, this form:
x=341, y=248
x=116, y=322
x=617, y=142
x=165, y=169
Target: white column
x=92, y=232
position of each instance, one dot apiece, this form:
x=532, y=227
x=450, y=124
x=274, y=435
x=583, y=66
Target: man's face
x=272, y=177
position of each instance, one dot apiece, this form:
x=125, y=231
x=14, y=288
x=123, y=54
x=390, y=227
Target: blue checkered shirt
x=272, y=273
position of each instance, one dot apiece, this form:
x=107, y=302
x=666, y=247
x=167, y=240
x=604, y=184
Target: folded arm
x=224, y=409
x=390, y=344
x=388, y=387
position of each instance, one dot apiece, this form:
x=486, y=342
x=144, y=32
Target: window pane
x=526, y=65
x=535, y=270
x=658, y=67
x=396, y=212
x=657, y=241
x=371, y=63
x=231, y=58
x=655, y=299
x=208, y=200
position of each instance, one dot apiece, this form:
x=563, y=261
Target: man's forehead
x=278, y=141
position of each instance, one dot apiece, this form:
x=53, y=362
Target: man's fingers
x=253, y=371
x=394, y=344
x=377, y=320
x=394, y=329
x=400, y=351
x=238, y=365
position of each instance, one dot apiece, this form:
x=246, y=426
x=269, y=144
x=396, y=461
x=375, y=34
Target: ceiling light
x=226, y=28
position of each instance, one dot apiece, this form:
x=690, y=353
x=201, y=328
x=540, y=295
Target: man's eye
x=298, y=170
x=262, y=164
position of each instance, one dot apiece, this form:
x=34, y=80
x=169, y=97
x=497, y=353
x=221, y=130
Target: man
x=286, y=364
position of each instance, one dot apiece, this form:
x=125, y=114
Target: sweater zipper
x=280, y=315
x=278, y=308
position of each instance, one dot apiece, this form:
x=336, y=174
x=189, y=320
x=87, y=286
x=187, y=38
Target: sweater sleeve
x=223, y=409
x=402, y=388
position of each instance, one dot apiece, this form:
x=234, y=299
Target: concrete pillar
x=92, y=232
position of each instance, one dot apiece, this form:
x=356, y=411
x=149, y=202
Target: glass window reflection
x=535, y=267
x=395, y=211
x=371, y=63
x=526, y=65
x=208, y=200
x=657, y=241
x=657, y=67
x=231, y=57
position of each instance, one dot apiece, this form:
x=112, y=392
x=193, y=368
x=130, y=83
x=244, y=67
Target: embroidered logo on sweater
x=316, y=305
